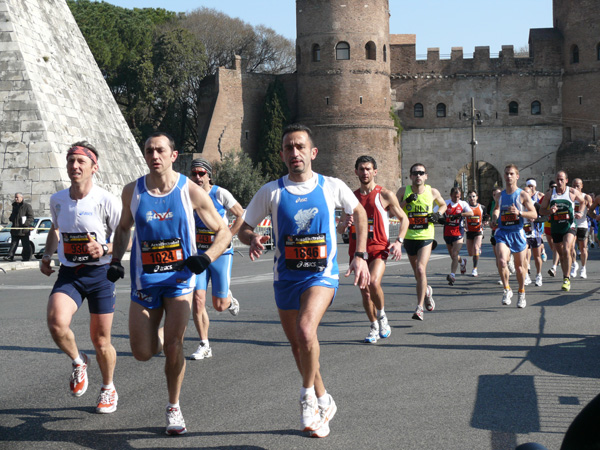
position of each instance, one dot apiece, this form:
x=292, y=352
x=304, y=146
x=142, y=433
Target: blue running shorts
x=288, y=293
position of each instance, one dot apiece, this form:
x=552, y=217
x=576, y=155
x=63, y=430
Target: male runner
x=454, y=232
x=377, y=201
x=559, y=203
x=164, y=260
x=536, y=198
x=582, y=226
x=417, y=201
x=83, y=219
x=219, y=272
x=305, y=270
x=534, y=230
x=474, y=230
x=548, y=234
x=512, y=207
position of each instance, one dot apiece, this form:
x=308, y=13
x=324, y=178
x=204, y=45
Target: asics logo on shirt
x=85, y=213
x=153, y=215
x=300, y=200
x=304, y=218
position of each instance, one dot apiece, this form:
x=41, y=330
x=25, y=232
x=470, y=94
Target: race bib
x=162, y=256
x=74, y=245
x=306, y=252
x=417, y=220
x=204, y=238
x=369, y=234
x=509, y=219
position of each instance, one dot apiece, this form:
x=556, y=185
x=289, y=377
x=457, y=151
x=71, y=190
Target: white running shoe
x=373, y=335
x=107, y=401
x=463, y=266
x=418, y=314
x=384, y=327
x=309, y=415
x=552, y=271
x=234, y=308
x=500, y=282
x=583, y=273
x=175, y=422
x=202, y=352
x=538, y=279
x=511, y=264
x=326, y=413
x=527, y=280
x=474, y=273
x=574, y=268
x=521, y=302
x=429, y=302
x=507, y=296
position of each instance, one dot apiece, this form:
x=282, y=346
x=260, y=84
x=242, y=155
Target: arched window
x=418, y=110
x=440, y=110
x=385, y=53
x=342, y=50
x=371, y=50
x=574, y=54
x=298, y=55
x=513, y=109
x=536, y=108
x=316, y=53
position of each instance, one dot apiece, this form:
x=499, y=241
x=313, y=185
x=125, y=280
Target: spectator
x=21, y=219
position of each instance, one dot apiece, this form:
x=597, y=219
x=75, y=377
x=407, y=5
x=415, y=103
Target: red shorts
x=378, y=254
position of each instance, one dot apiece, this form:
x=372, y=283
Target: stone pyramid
x=52, y=94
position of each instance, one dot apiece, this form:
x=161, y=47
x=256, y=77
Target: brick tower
x=343, y=77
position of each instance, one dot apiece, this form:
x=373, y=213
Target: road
x=472, y=375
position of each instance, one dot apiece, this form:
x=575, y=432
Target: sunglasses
x=199, y=173
x=418, y=172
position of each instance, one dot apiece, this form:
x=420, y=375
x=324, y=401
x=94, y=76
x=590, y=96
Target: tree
x=275, y=116
x=237, y=174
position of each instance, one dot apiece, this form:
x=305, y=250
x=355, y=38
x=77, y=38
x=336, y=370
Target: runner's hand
x=115, y=270
x=411, y=198
x=198, y=263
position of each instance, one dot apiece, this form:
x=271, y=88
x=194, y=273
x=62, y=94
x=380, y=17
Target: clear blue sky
x=437, y=23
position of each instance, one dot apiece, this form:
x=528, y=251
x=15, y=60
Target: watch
x=400, y=240
x=105, y=249
x=363, y=255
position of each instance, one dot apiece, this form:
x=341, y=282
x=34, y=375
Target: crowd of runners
x=181, y=241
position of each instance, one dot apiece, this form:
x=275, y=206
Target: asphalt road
x=472, y=375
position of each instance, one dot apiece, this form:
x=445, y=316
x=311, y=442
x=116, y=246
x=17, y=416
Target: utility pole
x=475, y=117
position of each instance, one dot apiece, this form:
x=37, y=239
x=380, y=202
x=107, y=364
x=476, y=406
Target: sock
x=173, y=405
x=79, y=360
x=324, y=400
x=375, y=325
x=553, y=267
x=521, y=291
x=204, y=343
x=380, y=313
x=507, y=288
x=310, y=391
x=452, y=275
x=108, y=387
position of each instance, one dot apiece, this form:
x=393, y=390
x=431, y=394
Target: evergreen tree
x=275, y=117
x=237, y=174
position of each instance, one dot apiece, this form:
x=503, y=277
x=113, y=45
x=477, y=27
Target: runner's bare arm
x=238, y=212
x=359, y=266
x=122, y=236
x=255, y=241
x=437, y=198
x=529, y=211
x=49, y=249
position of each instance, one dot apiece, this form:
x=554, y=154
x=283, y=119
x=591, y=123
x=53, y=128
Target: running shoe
x=463, y=266
x=500, y=282
x=507, y=296
x=79, y=380
x=574, y=268
x=511, y=265
x=474, y=273
x=175, y=422
x=203, y=351
x=538, y=279
x=451, y=279
x=234, y=308
x=373, y=335
x=527, y=280
x=544, y=257
x=326, y=413
x=418, y=315
x=309, y=418
x=566, y=286
x=107, y=401
x=429, y=303
x=521, y=302
x=583, y=273
x=384, y=327
x=552, y=271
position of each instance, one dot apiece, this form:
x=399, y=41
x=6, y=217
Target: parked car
x=37, y=237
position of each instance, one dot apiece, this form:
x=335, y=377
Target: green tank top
x=563, y=218
x=419, y=227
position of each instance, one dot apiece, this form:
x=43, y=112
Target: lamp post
x=475, y=117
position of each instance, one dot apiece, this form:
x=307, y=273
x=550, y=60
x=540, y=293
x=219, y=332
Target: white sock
x=375, y=325
x=325, y=399
x=79, y=360
x=310, y=391
x=108, y=387
x=204, y=343
x=380, y=313
x=173, y=405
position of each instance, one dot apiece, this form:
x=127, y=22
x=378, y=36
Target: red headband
x=83, y=151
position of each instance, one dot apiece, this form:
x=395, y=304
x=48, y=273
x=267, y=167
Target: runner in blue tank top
x=512, y=206
x=302, y=205
x=164, y=260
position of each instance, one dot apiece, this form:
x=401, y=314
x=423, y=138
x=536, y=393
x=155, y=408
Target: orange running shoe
x=79, y=381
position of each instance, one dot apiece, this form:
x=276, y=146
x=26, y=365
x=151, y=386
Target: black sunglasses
x=418, y=172
x=199, y=173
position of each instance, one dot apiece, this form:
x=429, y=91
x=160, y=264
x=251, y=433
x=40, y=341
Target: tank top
x=508, y=221
x=475, y=222
x=581, y=223
x=419, y=227
x=562, y=220
x=204, y=235
x=379, y=222
x=164, y=236
x=455, y=227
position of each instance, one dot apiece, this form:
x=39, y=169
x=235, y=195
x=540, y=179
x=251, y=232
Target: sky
x=437, y=23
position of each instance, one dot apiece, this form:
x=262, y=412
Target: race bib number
x=417, y=220
x=306, y=252
x=161, y=256
x=75, y=247
x=509, y=219
x=369, y=234
x=561, y=217
x=204, y=238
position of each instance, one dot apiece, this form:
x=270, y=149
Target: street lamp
x=475, y=117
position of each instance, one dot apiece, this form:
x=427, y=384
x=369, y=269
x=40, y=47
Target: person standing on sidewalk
x=21, y=220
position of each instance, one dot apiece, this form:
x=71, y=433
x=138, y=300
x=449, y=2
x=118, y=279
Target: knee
x=141, y=352
x=221, y=304
x=101, y=343
x=420, y=272
x=173, y=348
x=306, y=337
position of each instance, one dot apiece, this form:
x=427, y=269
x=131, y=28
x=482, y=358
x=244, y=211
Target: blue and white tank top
x=204, y=235
x=508, y=221
x=164, y=236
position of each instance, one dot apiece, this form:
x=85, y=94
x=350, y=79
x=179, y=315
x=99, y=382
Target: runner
x=417, y=201
x=581, y=223
x=548, y=234
x=536, y=198
x=474, y=230
x=305, y=271
x=219, y=272
x=377, y=201
x=534, y=230
x=559, y=203
x=83, y=219
x=163, y=261
x=512, y=207
x=454, y=232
